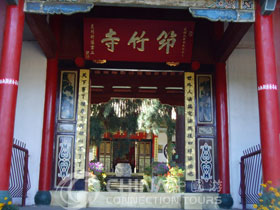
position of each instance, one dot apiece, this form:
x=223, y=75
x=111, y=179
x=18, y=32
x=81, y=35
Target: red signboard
x=138, y=40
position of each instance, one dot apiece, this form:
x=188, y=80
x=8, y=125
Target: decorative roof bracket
x=268, y=6
x=226, y=11
x=58, y=6
x=214, y=10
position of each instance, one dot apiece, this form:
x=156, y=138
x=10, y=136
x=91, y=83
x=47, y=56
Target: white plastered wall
x=242, y=107
x=30, y=108
x=162, y=140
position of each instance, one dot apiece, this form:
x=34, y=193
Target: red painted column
x=48, y=126
x=276, y=31
x=222, y=127
x=3, y=6
x=268, y=96
x=43, y=196
x=9, y=76
x=222, y=135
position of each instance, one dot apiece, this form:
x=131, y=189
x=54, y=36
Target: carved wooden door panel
x=144, y=155
x=105, y=155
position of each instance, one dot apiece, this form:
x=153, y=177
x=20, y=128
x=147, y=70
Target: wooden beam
x=231, y=38
x=42, y=32
x=12, y=2
x=136, y=80
x=171, y=99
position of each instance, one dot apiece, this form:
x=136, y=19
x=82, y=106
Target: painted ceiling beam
x=231, y=38
x=138, y=81
x=167, y=87
x=12, y=2
x=176, y=99
x=42, y=32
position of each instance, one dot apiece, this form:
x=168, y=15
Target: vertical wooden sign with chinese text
x=190, y=150
x=65, y=128
x=206, y=133
x=138, y=40
x=81, y=127
x=155, y=149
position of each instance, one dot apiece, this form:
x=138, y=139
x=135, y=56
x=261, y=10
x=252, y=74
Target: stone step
x=125, y=188
x=124, y=184
x=83, y=199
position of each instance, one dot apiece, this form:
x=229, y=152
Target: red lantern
x=80, y=62
x=195, y=65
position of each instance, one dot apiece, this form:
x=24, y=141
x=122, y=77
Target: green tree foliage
x=131, y=115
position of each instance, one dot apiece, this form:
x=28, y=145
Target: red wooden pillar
x=222, y=134
x=268, y=96
x=3, y=6
x=43, y=196
x=276, y=33
x=222, y=127
x=9, y=76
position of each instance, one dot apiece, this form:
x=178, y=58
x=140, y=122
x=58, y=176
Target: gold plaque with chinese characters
x=190, y=153
x=81, y=128
x=138, y=40
x=156, y=149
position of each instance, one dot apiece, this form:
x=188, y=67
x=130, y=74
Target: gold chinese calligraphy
x=190, y=152
x=81, y=128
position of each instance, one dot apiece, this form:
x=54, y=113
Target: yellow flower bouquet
x=269, y=199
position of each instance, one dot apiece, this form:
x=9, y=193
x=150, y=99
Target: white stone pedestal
x=123, y=170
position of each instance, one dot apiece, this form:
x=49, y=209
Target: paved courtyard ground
x=60, y=208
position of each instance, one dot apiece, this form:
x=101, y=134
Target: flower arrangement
x=96, y=167
x=146, y=183
x=166, y=178
x=174, y=182
x=98, y=181
x=10, y=207
x=6, y=204
x=269, y=199
x=176, y=171
x=160, y=168
x=148, y=171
